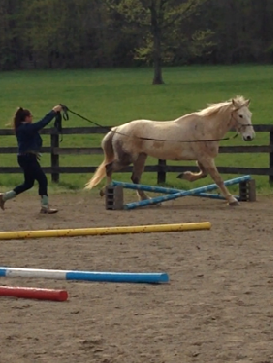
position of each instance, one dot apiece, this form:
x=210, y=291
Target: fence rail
x=161, y=168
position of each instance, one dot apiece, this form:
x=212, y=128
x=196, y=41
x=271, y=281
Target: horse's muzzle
x=248, y=138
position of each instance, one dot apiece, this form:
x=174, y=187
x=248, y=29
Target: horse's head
x=242, y=115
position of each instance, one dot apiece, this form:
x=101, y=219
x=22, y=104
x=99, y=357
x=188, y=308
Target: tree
x=154, y=18
x=11, y=39
x=122, y=33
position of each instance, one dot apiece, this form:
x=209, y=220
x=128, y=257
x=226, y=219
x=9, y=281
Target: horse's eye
x=241, y=116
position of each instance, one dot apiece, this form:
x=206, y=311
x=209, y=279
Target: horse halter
x=238, y=124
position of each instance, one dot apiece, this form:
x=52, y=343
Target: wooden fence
x=161, y=168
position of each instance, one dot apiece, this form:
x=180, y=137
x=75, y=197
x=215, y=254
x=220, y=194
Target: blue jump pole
x=130, y=277
x=157, y=189
x=194, y=191
x=148, y=188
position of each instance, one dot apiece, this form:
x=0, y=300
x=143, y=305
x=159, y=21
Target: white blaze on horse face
x=245, y=127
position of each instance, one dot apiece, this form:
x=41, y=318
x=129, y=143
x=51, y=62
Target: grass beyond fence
x=112, y=97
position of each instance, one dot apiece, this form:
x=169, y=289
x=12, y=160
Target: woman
x=29, y=145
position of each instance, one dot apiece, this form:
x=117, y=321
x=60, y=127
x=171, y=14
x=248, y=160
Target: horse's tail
x=108, y=157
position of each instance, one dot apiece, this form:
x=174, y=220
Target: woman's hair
x=20, y=116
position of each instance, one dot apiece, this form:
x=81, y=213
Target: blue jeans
x=32, y=171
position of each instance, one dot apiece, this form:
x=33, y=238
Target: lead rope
x=65, y=116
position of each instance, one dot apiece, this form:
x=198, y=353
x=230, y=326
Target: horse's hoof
x=234, y=204
x=180, y=176
x=102, y=193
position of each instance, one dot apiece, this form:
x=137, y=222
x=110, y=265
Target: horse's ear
x=235, y=104
x=247, y=103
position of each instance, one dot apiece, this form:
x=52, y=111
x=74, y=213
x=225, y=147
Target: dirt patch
x=217, y=307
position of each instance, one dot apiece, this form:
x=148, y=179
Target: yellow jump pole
x=176, y=227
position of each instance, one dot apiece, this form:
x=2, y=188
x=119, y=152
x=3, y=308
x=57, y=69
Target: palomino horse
x=193, y=136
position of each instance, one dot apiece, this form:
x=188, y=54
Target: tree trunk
x=156, y=31
x=157, y=58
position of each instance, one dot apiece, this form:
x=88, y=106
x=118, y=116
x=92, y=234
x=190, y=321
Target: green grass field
x=115, y=96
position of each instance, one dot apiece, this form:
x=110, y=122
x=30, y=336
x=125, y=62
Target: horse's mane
x=221, y=107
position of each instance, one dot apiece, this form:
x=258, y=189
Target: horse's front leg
x=210, y=167
x=188, y=175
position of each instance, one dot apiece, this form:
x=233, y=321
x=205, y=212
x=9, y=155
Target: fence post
x=54, y=142
x=161, y=173
x=271, y=155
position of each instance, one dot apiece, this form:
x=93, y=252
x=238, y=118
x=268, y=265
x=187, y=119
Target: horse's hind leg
x=121, y=160
x=137, y=173
x=115, y=165
x=188, y=175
